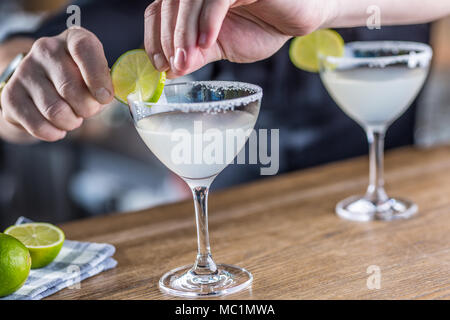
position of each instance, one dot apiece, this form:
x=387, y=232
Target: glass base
x=359, y=208
x=184, y=282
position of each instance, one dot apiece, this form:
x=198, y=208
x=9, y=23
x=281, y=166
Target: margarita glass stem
x=375, y=191
x=204, y=263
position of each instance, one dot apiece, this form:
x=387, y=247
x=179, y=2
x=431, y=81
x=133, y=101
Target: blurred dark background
x=104, y=167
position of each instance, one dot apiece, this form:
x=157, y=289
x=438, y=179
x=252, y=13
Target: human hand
x=61, y=81
x=181, y=36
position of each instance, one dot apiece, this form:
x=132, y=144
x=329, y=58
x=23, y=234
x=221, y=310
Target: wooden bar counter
x=283, y=229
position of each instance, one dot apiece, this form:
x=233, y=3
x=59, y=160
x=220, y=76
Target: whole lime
x=15, y=264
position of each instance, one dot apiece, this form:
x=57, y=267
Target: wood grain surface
x=283, y=229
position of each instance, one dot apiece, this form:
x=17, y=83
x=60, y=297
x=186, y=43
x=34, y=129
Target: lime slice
x=15, y=263
x=43, y=240
x=304, y=51
x=133, y=72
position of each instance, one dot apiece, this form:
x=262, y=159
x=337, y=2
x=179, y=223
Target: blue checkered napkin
x=76, y=262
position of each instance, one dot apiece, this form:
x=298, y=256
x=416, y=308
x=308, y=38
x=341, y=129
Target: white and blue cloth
x=75, y=262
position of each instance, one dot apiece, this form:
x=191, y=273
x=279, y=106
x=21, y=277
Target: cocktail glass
x=196, y=130
x=374, y=83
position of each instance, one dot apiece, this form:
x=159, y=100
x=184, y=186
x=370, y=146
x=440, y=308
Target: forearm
x=354, y=13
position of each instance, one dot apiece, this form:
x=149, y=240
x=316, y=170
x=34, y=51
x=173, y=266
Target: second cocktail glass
x=196, y=130
x=374, y=83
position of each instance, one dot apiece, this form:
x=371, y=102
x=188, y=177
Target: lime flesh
x=43, y=240
x=304, y=51
x=134, y=73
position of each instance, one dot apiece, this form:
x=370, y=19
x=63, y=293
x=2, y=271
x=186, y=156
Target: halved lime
x=133, y=72
x=43, y=240
x=304, y=51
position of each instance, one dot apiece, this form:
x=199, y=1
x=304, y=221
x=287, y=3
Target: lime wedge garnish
x=43, y=240
x=133, y=72
x=304, y=51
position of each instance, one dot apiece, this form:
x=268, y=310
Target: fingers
x=186, y=34
x=50, y=104
x=169, y=12
x=19, y=110
x=62, y=80
x=181, y=35
x=87, y=52
x=68, y=82
x=210, y=22
x=152, y=39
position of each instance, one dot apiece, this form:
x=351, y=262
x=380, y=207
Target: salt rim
x=413, y=59
x=206, y=106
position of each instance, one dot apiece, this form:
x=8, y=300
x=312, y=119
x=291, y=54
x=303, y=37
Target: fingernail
x=180, y=59
x=102, y=95
x=202, y=39
x=160, y=62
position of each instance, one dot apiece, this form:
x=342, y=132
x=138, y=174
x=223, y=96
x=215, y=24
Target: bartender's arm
x=65, y=78
x=182, y=36
x=61, y=81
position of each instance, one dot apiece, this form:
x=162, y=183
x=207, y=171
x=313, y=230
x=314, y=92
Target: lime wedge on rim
x=133, y=72
x=43, y=240
x=304, y=51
